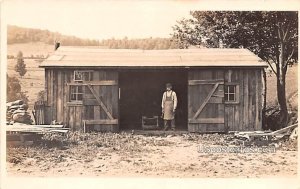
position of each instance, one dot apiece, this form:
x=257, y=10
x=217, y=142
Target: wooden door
x=100, y=102
x=206, y=101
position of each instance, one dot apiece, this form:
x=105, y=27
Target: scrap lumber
x=278, y=133
x=22, y=128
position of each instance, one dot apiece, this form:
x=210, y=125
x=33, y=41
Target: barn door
x=101, y=102
x=206, y=101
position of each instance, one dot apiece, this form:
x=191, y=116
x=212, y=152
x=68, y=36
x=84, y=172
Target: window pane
x=83, y=75
x=73, y=97
x=79, y=89
x=231, y=88
x=230, y=93
x=78, y=75
x=73, y=89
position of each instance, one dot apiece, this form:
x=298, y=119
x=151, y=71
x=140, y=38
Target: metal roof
x=96, y=57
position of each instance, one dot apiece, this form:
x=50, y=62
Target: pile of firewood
x=17, y=112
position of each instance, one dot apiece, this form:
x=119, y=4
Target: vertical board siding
x=97, y=109
x=246, y=115
x=57, y=93
x=197, y=95
x=59, y=102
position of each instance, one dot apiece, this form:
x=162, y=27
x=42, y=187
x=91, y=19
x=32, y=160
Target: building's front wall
x=242, y=115
x=73, y=112
x=246, y=114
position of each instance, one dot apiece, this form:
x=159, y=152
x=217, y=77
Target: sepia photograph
x=150, y=89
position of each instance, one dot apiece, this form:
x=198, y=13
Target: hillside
x=17, y=35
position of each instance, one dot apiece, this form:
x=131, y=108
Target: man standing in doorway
x=169, y=105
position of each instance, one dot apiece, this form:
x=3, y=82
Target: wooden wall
x=57, y=97
x=205, y=100
x=246, y=115
x=72, y=115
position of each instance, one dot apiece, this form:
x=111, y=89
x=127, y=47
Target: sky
x=99, y=19
x=103, y=19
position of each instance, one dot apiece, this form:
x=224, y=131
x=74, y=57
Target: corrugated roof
x=96, y=57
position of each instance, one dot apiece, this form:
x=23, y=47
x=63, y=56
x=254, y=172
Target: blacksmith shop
x=110, y=90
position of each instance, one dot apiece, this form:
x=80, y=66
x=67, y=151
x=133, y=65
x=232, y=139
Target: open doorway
x=141, y=94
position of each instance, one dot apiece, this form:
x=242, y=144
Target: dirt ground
x=168, y=155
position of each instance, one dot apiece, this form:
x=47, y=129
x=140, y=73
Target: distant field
x=33, y=81
x=29, y=49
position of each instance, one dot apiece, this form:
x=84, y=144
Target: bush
x=41, y=96
x=14, y=90
x=20, y=66
x=273, y=118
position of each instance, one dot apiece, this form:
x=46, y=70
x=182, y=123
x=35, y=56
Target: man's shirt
x=173, y=96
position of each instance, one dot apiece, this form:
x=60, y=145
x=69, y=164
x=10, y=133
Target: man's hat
x=168, y=85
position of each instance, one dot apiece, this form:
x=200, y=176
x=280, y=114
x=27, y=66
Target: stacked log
x=16, y=112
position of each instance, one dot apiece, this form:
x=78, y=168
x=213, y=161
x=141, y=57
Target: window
x=76, y=93
x=231, y=93
x=77, y=90
x=80, y=76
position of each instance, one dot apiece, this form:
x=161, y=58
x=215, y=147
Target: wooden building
x=218, y=90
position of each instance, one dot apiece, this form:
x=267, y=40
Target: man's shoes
x=165, y=128
x=173, y=129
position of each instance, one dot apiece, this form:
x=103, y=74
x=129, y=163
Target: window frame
x=76, y=93
x=236, y=93
x=83, y=71
x=77, y=101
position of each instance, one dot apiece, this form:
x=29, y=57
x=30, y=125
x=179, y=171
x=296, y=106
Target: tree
x=20, y=66
x=14, y=90
x=273, y=36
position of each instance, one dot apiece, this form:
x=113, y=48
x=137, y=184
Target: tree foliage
x=14, y=90
x=17, y=34
x=146, y=44
x=20, y=66
x=272, y=35
x=25, y=35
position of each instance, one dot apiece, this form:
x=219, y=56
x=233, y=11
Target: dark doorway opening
x=141, y=94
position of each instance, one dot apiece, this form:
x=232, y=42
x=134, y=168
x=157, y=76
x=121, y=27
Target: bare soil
x=169, y=155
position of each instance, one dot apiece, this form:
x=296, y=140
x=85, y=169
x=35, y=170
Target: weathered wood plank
x=59, y=96
x=97, y=109
x=241, y=125
x=207, y=120
x=204, y=82
x=102, y=122
x=54, y=97
x=246, y=100
x=95, y=83
x=71, y=118
x=215, y=100
x=259, y=100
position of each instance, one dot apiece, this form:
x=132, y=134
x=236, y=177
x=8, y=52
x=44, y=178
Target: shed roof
x=96, y=57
